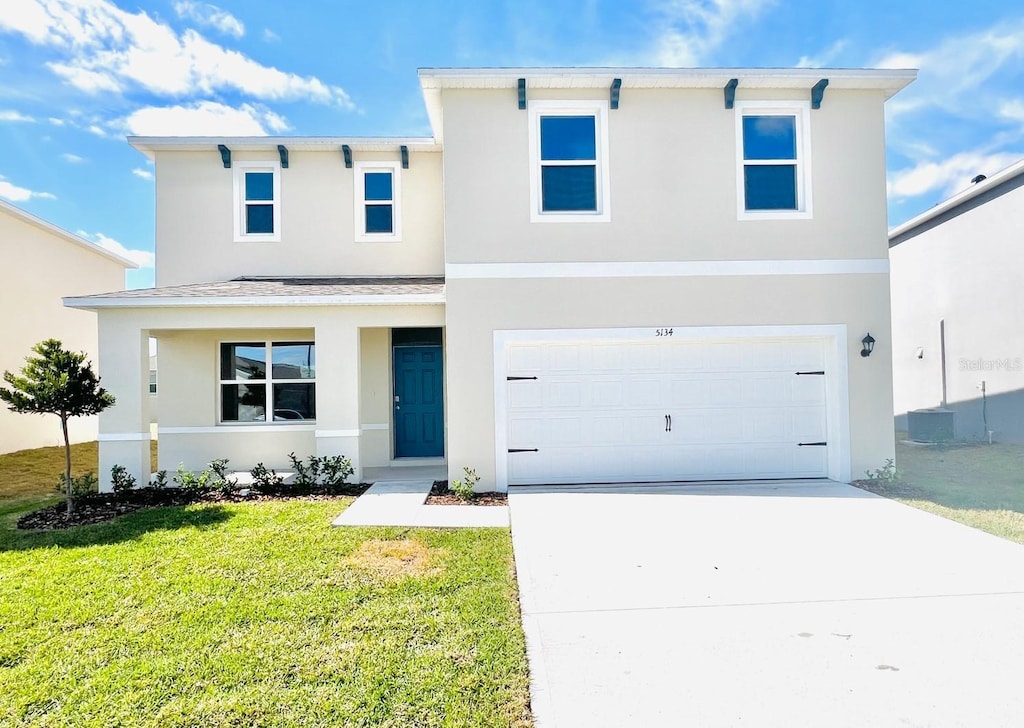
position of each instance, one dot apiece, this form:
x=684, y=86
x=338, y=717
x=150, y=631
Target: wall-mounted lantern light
x=869, y=345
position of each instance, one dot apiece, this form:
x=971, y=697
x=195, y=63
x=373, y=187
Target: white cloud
x=270, y=36
x=143, y=174
x=142, y=258
x=824, y=58
x=692, y=29
x=11, y=191
x=210, y=16
x=106, y=49
x=72, y=158
x=15, y=116
x=205, y=118
x=56, y=122
x=948, y=176
x=954, y=72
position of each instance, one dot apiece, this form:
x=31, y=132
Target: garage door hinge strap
x=818, y=373
x=811, y=444
x=516, y=379
x=522, y=449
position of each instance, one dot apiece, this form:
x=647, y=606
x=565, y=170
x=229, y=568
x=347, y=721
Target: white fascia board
x=958, y=199
x=49, y=227
x=150, y=145
x=668, y=269
x=888, y=80
x=412, y=299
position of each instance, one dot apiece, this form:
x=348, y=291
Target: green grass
x=256, y=614
x=979, y=485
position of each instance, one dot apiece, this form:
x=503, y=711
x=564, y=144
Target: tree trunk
x=67, y=465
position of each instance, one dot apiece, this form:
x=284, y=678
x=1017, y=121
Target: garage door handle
x=666, y=423
x=669, y=423
x=811, y=444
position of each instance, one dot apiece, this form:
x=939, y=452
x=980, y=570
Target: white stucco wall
x=43, y=267
x=966, y=271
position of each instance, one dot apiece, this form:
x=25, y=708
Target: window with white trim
x=257, y=188
x=569, y=161
x=378, y=200
x=773, y=176
x=261, y=377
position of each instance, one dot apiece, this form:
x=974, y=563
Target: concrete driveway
x=781, y=604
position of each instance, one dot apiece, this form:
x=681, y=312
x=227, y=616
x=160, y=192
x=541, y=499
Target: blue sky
x=76, y=76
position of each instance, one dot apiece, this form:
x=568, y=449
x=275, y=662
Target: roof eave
x=148, y=145
x=94, y=303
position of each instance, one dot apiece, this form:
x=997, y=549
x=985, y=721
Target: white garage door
x=667, y=409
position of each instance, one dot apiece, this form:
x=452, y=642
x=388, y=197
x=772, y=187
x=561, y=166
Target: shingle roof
x=277, y=291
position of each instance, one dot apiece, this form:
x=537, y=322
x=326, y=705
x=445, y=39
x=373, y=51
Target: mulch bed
x=99, y=507
x=441, y=496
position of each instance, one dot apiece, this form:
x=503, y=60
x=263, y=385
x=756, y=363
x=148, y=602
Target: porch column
x=337, y=392
x=124, y=368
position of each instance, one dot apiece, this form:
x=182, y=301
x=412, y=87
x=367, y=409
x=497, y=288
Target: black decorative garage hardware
x=818, y=373
x=523, y=449
x=518, y=379
x=811, y=444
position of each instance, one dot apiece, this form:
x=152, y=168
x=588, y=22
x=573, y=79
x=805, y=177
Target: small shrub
x=466, y=488
x=121, y=479
x=221, y=478
x=335, y=469
x=190, y=481
x=81, y=485
x=265, y=479
x=306, y=476
x=159, y=480
x=888, y=474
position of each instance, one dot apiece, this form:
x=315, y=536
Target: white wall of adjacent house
x=196, y=211
x=967, y=273
x=43, y=268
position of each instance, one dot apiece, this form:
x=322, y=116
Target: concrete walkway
x=784, y=604
x=403, y=503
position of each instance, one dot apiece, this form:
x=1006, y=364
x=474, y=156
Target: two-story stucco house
x=583, y=275
x=43, y=263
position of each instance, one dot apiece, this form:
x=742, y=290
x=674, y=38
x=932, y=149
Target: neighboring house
x=584, y=275
x=43, y=264
x=957, y=305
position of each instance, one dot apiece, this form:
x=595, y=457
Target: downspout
x=942, y=357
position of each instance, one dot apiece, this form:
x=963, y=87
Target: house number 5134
x=663, y=332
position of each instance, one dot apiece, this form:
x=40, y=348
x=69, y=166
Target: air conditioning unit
x=931, y=425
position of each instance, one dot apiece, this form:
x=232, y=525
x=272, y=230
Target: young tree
x=58, y=382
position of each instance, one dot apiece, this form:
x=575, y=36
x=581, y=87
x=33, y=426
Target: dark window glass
x=377, y=186
x=259, y=186
x=294, y=402
x=568, y=137
x=243, y=402
x=379, y=219
x=569, y=188
x=259, y=218
x=405, y=337
x=243, y=361
x=769, y=137
x=294, y=360
x=770, y=187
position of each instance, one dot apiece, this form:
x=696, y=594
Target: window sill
x=775, y=215
x=275, y=238
x=378, y=239
x=571, y=217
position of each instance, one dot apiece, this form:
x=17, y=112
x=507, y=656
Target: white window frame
x=360, y=170
x=269, y=381
x=801, y=111
x=239, y=169
x=599, y=109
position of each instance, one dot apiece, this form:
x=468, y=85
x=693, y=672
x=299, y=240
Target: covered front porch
x=253, y=372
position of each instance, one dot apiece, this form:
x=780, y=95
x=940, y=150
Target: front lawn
x=980, y=485
x=257, y=614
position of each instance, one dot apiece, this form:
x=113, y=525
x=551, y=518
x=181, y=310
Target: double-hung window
x=257, y=201
x=569, y=161
x=267, y=381
x=774, y=177
x=378, y=188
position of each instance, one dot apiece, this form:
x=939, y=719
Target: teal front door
x=419, y=403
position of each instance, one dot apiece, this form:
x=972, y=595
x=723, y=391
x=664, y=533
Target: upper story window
x=261, y=377
x=257, y=201
x=774, y=170
x=569, y=161
x=378, y=196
